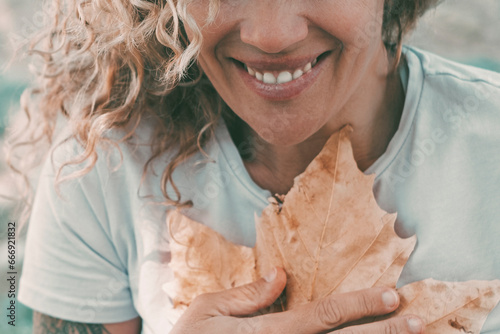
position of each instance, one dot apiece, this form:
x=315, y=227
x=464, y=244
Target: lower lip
x=282, y=92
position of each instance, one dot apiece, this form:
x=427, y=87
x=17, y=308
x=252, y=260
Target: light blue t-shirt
x=101, y=253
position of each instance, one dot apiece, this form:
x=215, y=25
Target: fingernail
x=416, y=326
x=390, y=298
x=271, y=275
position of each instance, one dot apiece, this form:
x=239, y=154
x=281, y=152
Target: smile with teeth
x=282, y=77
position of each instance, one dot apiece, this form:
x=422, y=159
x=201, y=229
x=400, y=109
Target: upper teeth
x=283, y=77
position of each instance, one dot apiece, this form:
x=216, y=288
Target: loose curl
x=107, y=64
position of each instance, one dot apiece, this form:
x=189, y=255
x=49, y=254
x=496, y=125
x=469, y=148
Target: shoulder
x=120, y=167
x=456, y=98
x=105, y=188
x=114, y=163
x=436, y=66
x=445, y=83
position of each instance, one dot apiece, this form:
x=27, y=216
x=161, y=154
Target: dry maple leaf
x=330, y=236
x=203, y=261
x=450, y=307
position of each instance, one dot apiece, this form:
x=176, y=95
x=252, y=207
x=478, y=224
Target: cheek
x=368, y=32
x=357, y=24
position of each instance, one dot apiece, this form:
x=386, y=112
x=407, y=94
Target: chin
x=285, y=126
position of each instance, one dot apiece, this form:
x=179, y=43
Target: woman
x=215, y=106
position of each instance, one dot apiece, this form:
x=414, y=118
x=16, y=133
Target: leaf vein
x=358, y=260
x=325, y=222
x=452, y=312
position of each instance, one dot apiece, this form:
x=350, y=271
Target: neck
x=374, y=116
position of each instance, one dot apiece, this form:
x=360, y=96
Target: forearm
x=44, y=324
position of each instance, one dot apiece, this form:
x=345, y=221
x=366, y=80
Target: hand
x=222, y=312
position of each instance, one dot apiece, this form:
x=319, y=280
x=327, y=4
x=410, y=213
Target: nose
x=273, y=26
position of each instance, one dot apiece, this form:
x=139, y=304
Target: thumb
x=249, y=298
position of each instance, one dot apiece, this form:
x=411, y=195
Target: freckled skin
x=354, y=86
x=252, y=28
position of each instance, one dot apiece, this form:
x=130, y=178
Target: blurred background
x=464, y=30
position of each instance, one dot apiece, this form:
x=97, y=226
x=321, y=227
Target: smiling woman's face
x=289, y=68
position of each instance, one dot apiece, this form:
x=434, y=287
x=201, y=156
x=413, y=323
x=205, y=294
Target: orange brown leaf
x=330, y=236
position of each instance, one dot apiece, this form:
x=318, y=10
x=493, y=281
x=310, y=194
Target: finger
x=398, y=325
x=243, y=300
x=335, y=310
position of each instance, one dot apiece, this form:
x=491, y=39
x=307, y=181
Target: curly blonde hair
x=109, y=63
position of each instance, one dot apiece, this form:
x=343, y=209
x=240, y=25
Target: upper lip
x=277, y=63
